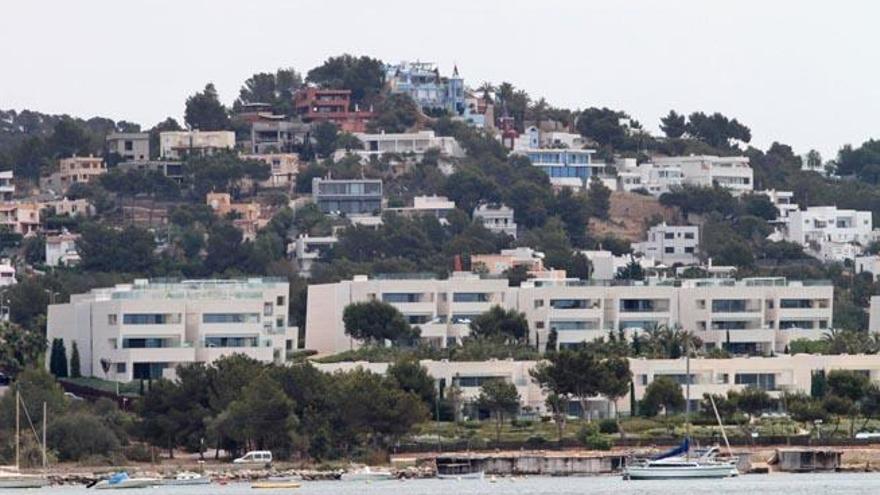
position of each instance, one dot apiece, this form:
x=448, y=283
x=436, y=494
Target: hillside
x=630, y=215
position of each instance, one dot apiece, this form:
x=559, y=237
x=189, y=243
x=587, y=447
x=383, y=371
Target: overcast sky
x=804, y=73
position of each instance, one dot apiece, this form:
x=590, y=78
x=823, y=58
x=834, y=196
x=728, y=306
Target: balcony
x=182, y=353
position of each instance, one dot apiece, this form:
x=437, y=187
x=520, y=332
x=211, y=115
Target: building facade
x=7, y=186
x=79, y=170
x=283, y=168
x=61, y=249
x=173, y=169
x=750, y=316
x=129, y=145
x=145, y=329
x=331, y=105
x=671, y=244
x=424, y=84
x=348, y=196
x=730, y=172
x=496, y=218
x=275, y=136
x=408, y=143
x=829, y=233
x=175, y=145
x=565, y=167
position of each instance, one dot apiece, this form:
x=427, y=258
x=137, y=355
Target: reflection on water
x=789, y=484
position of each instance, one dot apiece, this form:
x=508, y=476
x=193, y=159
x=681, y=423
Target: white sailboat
x=678, y=463
x=11, y=476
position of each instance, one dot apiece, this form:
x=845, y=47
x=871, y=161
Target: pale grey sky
x=800, y=72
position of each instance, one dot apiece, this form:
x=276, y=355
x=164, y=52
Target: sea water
x=769, y=484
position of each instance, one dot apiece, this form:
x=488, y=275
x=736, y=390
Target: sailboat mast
x=44, y=436
x=687, y=401
x=17, y=427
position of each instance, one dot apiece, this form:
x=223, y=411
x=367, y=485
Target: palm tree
x=487, y=89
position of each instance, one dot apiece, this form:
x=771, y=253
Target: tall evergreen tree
x=75, y=371
x=58, y=359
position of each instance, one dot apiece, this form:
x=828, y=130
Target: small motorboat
x=274, y=485
x=186, y=478
x=122, y=481
x=368, y=474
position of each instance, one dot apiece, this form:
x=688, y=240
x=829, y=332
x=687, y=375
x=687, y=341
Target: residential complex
x=129, y=145
x=496, y=218
x=757, y=316
x=348, y=196
x=424, y=84
x=175, y=145
x=829, y=233
x=145, y=329
x=775, y=375
x=671, y=244
x=731, y=172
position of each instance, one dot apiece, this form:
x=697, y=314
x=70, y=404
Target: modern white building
x=415, y=143
x=659, y=179
x=496, y=218
x=731, y=172
x=754, y=316
x=671, y=244
x=776, y=375
x=606, y=265
x=174, y=145
x=829, y=233
x=61, y=249
x=783, y=201
x=306, y=250
x=438, y=206
x=7, y=277
x=145, y=329
x=442, y=309
x=870, y=264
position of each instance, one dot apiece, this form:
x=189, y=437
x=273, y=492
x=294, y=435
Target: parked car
x=866, y=435
x=255, y=457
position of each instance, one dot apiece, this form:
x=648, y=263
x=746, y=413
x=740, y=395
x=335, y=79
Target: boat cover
x=677, y=451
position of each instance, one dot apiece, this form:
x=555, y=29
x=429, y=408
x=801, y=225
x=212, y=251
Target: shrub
x=598, y=442
x=536, y=441
x=138, y=452
x=81, y=435
x=608, y=426
x=521, y=423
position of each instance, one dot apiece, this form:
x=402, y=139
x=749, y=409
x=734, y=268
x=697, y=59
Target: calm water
x=789, y=484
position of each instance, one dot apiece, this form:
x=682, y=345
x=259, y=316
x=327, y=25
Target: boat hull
x=35, y=482
x=127, y=484
x=187, y=482
x=464, y=476
x=669, y=473
x=274, y=485
x=367, y=477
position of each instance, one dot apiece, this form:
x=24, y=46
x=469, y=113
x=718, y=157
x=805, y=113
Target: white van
x=255, y=457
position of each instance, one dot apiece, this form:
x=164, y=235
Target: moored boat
x=674, y=465
x=274, y=485
x=460, y=467
x=122, y=481
x=187, y=478
x=12, y=478
x=366, y=473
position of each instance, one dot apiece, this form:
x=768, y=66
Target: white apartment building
x=655, y=178
x=129, y=145
x=7, y=278
x=145, y=329
x=874, y=315
x=416, y=143
x=605, y=265
x=754, y=316
x=174, y=145
x=7, y=186
x=306, y=250
x=783, y=201
x=829, y=233
x=671, y=244
x=61, y=249
x=442, y=309
x=496, y=218
x=776, y=375
x=731, y=172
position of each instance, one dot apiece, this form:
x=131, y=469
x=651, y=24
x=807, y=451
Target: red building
x=333, y=105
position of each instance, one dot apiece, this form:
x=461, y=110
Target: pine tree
x=74, y=362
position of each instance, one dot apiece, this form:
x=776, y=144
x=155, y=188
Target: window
x=418, y=319
x=669, y=250
x=288, y=344
x=688, y=235
x=231, y=318
x=279, y=323
x=669, y=235
x=223, y=341
x=145, y=343
x=562, y=326
x=763, y=381
x=795, y=303
x=470, y=297
x=401, y=297
x=475, y=381
x=279, y=301
x=129, y=146
x=539, y=303
x=644, y=305
x=729, y=305
x=112, y=319
x=569, y=303
x=120, y=367
x=689, y=249
x=151, y=318
x=267, y=309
